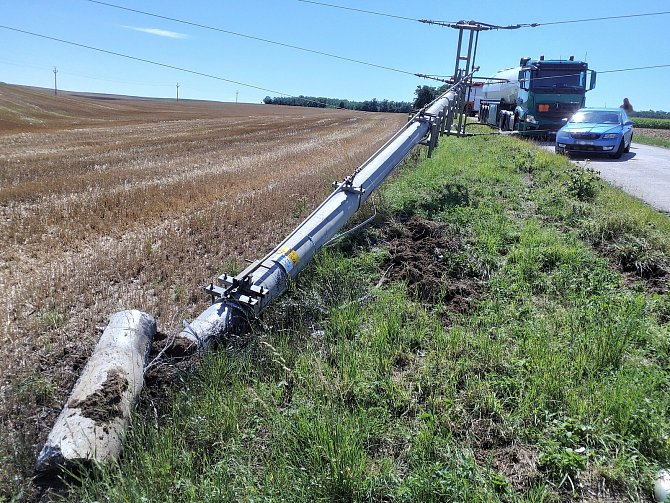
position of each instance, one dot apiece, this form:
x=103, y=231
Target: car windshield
x=595, y=117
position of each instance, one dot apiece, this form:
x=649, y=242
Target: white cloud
x=158, y=32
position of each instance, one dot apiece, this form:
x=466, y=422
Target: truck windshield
x=558, y=79
x=595, y=117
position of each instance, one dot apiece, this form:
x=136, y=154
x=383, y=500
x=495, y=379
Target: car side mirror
x=628, y=123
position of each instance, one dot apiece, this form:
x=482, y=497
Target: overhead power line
x=626, y=16
x=455, y=24
x=260, y=39
x=82, y=75
x=323, y=4
x=156, y=63
x=635, y=68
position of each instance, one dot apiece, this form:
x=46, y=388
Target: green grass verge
x=640, y=137
x=551, y=386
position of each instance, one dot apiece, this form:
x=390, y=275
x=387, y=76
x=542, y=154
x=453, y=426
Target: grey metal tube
x=271, y=275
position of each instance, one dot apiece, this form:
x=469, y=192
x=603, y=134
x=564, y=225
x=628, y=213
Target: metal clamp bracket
x=238, y=287
x=347, y=185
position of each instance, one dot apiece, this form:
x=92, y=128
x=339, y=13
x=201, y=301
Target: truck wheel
x=627, y=149
x=620, y=150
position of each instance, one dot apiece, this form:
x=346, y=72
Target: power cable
x=260, y=39
x=627, y=16
x=485, y=26
x=164, y=65
x=62, y=71
x=599, y=72
x=323, y=4
x=635, y=68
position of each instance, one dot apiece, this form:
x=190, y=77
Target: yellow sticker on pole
x=287, y=257
x=291, y=254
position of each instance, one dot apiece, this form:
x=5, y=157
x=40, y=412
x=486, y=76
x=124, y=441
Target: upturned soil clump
x=420, y=255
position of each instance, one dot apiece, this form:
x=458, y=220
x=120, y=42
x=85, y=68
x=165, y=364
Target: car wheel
x=620, y=150
x=627, y=149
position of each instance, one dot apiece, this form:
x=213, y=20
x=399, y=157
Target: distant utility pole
x=177, y=91
x=237, y=93
x=55, y=82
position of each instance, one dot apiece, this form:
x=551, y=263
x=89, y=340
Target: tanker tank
x=496, y=90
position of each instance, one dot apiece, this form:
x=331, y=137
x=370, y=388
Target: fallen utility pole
x=237, y=299
x=91, y=427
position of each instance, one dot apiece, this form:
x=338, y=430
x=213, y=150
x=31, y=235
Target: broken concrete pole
x=91, y=427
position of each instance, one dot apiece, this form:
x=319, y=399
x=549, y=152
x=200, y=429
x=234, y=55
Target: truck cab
x=538, y=96
x=550, y=91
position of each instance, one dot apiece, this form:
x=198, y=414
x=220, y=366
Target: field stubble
x=137, y=213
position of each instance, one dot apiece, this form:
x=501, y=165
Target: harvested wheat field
x=110, y=203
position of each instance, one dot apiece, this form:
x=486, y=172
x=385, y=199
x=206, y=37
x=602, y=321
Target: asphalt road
x=643, y=173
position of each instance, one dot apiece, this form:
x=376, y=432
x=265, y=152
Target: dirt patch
x=655, y=133
x=104, y=405
x=594, y=488
x=518, y=463
x=494, y=446
x=420, y=255
x=181, y=348
x=637, y=262
x=658, y=285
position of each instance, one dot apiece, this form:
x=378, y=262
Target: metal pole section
x=250, y=292
x=458, y=53
x=471, y=64
x=461, y=117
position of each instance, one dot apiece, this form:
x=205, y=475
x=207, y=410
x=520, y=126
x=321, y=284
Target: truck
x=473, y=95
x=538, y=96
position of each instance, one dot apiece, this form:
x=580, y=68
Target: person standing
x=627, y=107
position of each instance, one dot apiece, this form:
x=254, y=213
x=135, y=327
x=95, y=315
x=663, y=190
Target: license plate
x=583, y=142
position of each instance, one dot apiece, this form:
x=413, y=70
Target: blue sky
x=405, y=45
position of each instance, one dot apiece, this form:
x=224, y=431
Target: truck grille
x=557, y=110
x=585, y=136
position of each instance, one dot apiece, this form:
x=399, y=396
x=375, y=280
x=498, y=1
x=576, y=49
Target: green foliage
x=647, y=123
x=373, y=105
x=299, y=208
x=583, y=182
x=52, y=318
x=424, y=95
x=35, y=389
x=651, y=114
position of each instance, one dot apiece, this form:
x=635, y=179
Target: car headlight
x=609, y=136
x=530, y=118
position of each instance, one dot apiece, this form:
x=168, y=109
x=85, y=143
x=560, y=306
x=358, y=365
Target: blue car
x=596, y=131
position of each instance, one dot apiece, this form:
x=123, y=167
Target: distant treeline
x=373, y=105
x=651, y=114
